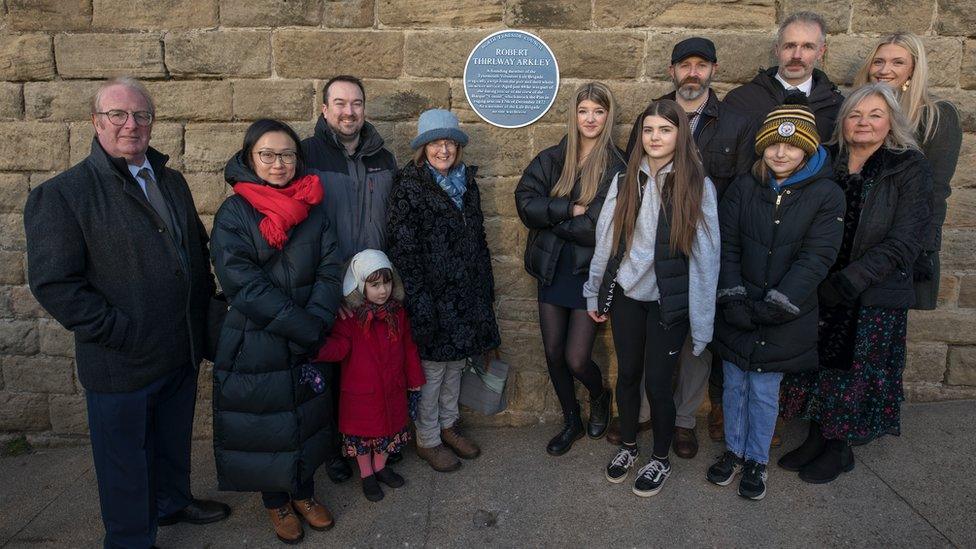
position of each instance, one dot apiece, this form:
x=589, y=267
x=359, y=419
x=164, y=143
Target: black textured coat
x=270, y=430
x=103, y=264
x=784, y=250
x=892, y=231
x=442, y=256
x=755, y=99
x=550, y=220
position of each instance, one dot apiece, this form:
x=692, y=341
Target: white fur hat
x=361, y=266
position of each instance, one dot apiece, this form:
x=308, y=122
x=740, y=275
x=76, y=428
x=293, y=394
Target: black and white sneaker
x=752, y=485
x=723, y=471
x=651, y=477
x=621, y=463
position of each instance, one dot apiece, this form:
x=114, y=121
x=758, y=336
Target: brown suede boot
x=716, y=422
x=613, y=432
x=462, y=446
x=440, y=458
x=685, y=443
x=777, y=440
x=286, y=524
x=315, y=514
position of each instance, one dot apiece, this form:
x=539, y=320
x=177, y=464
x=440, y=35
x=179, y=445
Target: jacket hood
x=819, y=162
x=370, y=141
x=236, y=171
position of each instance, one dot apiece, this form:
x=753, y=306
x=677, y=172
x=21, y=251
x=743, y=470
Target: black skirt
x=566, y=289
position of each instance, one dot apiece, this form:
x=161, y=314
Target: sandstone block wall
x=215, y=65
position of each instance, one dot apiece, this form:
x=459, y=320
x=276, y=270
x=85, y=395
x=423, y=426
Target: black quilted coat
x=550, y=220
x=442, y=256
x=779, y=247
x=270, y=430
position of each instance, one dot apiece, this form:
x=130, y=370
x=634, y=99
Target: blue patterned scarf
x=455, y=183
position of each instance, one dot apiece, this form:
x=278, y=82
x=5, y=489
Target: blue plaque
x=511, y=78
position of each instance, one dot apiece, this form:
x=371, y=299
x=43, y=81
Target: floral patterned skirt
x=862, y=402
x=353, y=445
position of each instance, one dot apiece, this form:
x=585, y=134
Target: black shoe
x=724, y=470
x=389, y=477
x=651, y=477
x=811, y=448
x=836, y=458
x=394, y=458
x=371, y=488
x=571, y=432
x=599, y=421
x=752, y=485
x=199, y=511
x=338, y=470
x=621, y=463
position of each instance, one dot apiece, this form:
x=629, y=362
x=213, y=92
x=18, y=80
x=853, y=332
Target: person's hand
x=597, y=318
x=344, y=312
x=578, y=210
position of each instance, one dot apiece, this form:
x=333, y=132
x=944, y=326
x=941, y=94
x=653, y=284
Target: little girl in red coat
x=380, y=365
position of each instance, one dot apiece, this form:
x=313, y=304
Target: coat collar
x=370, y=140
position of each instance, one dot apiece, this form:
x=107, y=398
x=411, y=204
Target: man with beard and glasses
x=800, y=44
x=725, y=140
x=357, y=172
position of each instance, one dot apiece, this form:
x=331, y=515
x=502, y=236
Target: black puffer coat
x=442, y=256
x=551, y=221
x=755, y=99
x=892, y=231
x=776, y=249
x=270, y=430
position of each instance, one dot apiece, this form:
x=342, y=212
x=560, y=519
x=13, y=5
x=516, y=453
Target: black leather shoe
x=199, y=511
x=561, y=443
x=599, y=421
x=338, y=470
x=394, y=458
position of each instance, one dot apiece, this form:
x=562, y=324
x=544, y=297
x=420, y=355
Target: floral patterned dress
x=857, y=394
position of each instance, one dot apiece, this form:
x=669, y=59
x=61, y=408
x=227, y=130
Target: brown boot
x=716, y=422
x=315, y=514
x=286, y=524
x=777, y=439
x=685, y=443
x=613, y=432
x=440, y=458
x=462, y=446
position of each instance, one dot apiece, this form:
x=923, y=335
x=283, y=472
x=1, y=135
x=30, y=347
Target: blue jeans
x=750, y=401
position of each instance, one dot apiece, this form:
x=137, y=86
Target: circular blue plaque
x=511, y=78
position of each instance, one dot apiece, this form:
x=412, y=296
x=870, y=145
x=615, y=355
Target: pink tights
x=371, y=463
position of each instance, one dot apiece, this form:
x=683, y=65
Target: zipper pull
x=779, y=198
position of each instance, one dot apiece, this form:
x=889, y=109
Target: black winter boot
x=599, y=421
x=836, y=458
x=811, y=448
x=571, y=432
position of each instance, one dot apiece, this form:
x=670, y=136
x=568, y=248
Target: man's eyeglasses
x=119, y=117
x=268, y=157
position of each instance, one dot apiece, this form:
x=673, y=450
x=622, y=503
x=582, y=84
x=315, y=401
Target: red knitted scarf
x=283, y=207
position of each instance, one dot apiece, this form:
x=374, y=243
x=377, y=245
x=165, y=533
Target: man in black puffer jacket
x=801, y=43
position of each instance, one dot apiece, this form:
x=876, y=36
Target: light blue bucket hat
x=437, y=124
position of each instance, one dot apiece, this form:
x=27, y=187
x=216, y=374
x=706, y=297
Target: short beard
x=689, y=94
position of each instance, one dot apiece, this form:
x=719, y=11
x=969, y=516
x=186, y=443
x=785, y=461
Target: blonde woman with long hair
x=899, y=60
x=559, y=198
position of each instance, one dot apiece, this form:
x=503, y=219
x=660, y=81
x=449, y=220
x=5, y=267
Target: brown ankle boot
x=315, y=514
x=440, y=458
x=286, y=524
x=462, y=446
x=716, y=422
x=777, y=440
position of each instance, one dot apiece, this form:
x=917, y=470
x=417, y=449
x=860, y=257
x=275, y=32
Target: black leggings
x=567, y=336
x=645, y=348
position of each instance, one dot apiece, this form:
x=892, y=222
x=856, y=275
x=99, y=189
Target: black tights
x=645, y=348
x=567, y=336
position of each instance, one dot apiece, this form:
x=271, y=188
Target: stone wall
x=215, y=65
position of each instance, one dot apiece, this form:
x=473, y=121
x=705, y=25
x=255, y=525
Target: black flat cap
x=702, y=47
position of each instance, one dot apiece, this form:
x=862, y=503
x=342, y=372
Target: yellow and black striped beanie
x=791, y=123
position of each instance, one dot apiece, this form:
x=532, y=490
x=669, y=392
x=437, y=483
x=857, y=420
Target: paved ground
x=918, y=490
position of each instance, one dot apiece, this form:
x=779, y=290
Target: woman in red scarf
x=275, y=255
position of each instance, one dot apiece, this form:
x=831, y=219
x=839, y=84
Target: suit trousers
x=141, y=449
